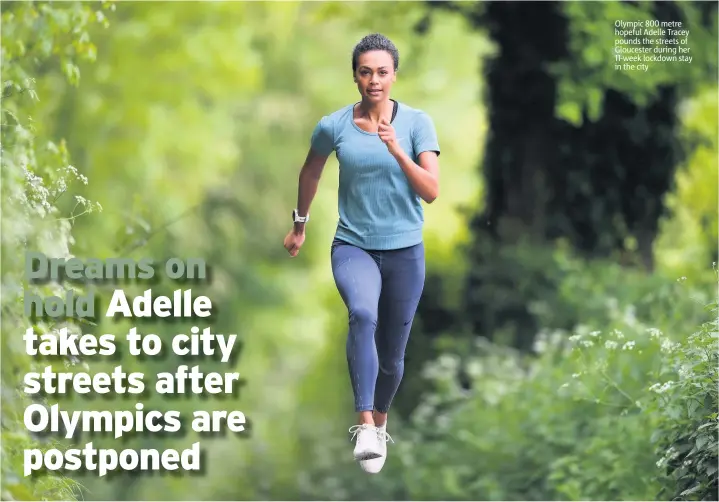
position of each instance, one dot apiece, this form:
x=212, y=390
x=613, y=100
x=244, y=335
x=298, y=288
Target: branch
x=141, y=242
x=6, y=95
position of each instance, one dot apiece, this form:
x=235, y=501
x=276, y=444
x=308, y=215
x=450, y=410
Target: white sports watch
x=296, y=218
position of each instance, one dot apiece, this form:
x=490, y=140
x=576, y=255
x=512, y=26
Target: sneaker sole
x=369, y=468
x=366, y=455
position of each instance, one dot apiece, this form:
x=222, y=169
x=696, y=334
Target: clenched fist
x=294, y=241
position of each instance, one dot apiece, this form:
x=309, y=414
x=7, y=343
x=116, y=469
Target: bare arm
x=424, y=177
x=307, y=187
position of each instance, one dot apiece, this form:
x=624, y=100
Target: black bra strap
x=394, y=111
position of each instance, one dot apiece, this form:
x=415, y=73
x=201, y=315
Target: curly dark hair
x=375, y=42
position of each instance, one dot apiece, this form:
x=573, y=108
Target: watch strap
x=296, y=218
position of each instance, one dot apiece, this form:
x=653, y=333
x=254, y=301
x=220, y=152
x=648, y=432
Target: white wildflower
x=474, y=368
x=661, y=388
x=667, y=345
x=654, y=333
x=683, y=372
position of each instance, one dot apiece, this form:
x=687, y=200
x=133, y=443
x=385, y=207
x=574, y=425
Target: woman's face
x=375, y=75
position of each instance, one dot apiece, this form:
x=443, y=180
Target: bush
x=37, y=180
x=626, y=413
x=687, y=410
x=521, y=290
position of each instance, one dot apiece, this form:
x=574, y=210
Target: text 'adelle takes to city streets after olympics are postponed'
x=65, y=342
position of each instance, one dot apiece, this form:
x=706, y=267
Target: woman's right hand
x=309, y=179
x=294, y=241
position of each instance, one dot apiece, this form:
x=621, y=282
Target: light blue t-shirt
x=378, y=208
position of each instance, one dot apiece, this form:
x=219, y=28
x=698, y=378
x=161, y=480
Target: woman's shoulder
x=412, y=111
x=328, y=122
x=417, y=119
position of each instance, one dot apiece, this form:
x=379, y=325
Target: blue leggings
x=381, y=290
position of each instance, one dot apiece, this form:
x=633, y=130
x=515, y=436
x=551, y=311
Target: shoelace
x=381, y=433
x=356, y=429
x=383, y=436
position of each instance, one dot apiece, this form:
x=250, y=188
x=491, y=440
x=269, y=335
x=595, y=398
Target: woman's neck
x=374, y=111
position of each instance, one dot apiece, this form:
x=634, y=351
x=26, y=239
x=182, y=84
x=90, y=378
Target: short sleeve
x=424, y=137
x=322, y=140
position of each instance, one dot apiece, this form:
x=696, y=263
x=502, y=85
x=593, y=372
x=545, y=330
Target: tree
x=578, y=151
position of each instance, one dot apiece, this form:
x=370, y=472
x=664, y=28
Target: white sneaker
x=367, y=445
x=374, y=465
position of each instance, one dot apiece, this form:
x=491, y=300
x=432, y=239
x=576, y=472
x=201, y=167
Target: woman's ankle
x=380, y=419
x=365, y=417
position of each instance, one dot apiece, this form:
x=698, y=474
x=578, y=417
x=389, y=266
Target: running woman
x=388, y=164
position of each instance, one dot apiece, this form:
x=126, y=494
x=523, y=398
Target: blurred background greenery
x=565, y=347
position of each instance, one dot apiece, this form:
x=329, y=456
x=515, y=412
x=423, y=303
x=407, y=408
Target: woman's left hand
x=388, y=136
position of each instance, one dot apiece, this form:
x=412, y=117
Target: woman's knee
x=363, y=316
x=391, y=365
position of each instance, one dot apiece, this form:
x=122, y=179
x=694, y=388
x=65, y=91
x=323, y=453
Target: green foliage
x=687, y=243
x=200, y=157
x=192, y=121
x=686, y=407
x=38, y=33
x=524, y=288
x=588, y=71
x=37, y=176
x=579, y=184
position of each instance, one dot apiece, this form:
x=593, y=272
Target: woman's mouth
x=374, y=92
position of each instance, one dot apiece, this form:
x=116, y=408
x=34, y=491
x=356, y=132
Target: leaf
x=594, y=103
x=691, y=490
x=571, y=112
x=702, y=441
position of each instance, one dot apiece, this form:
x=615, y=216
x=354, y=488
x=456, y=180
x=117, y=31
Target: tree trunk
x=598, y=186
